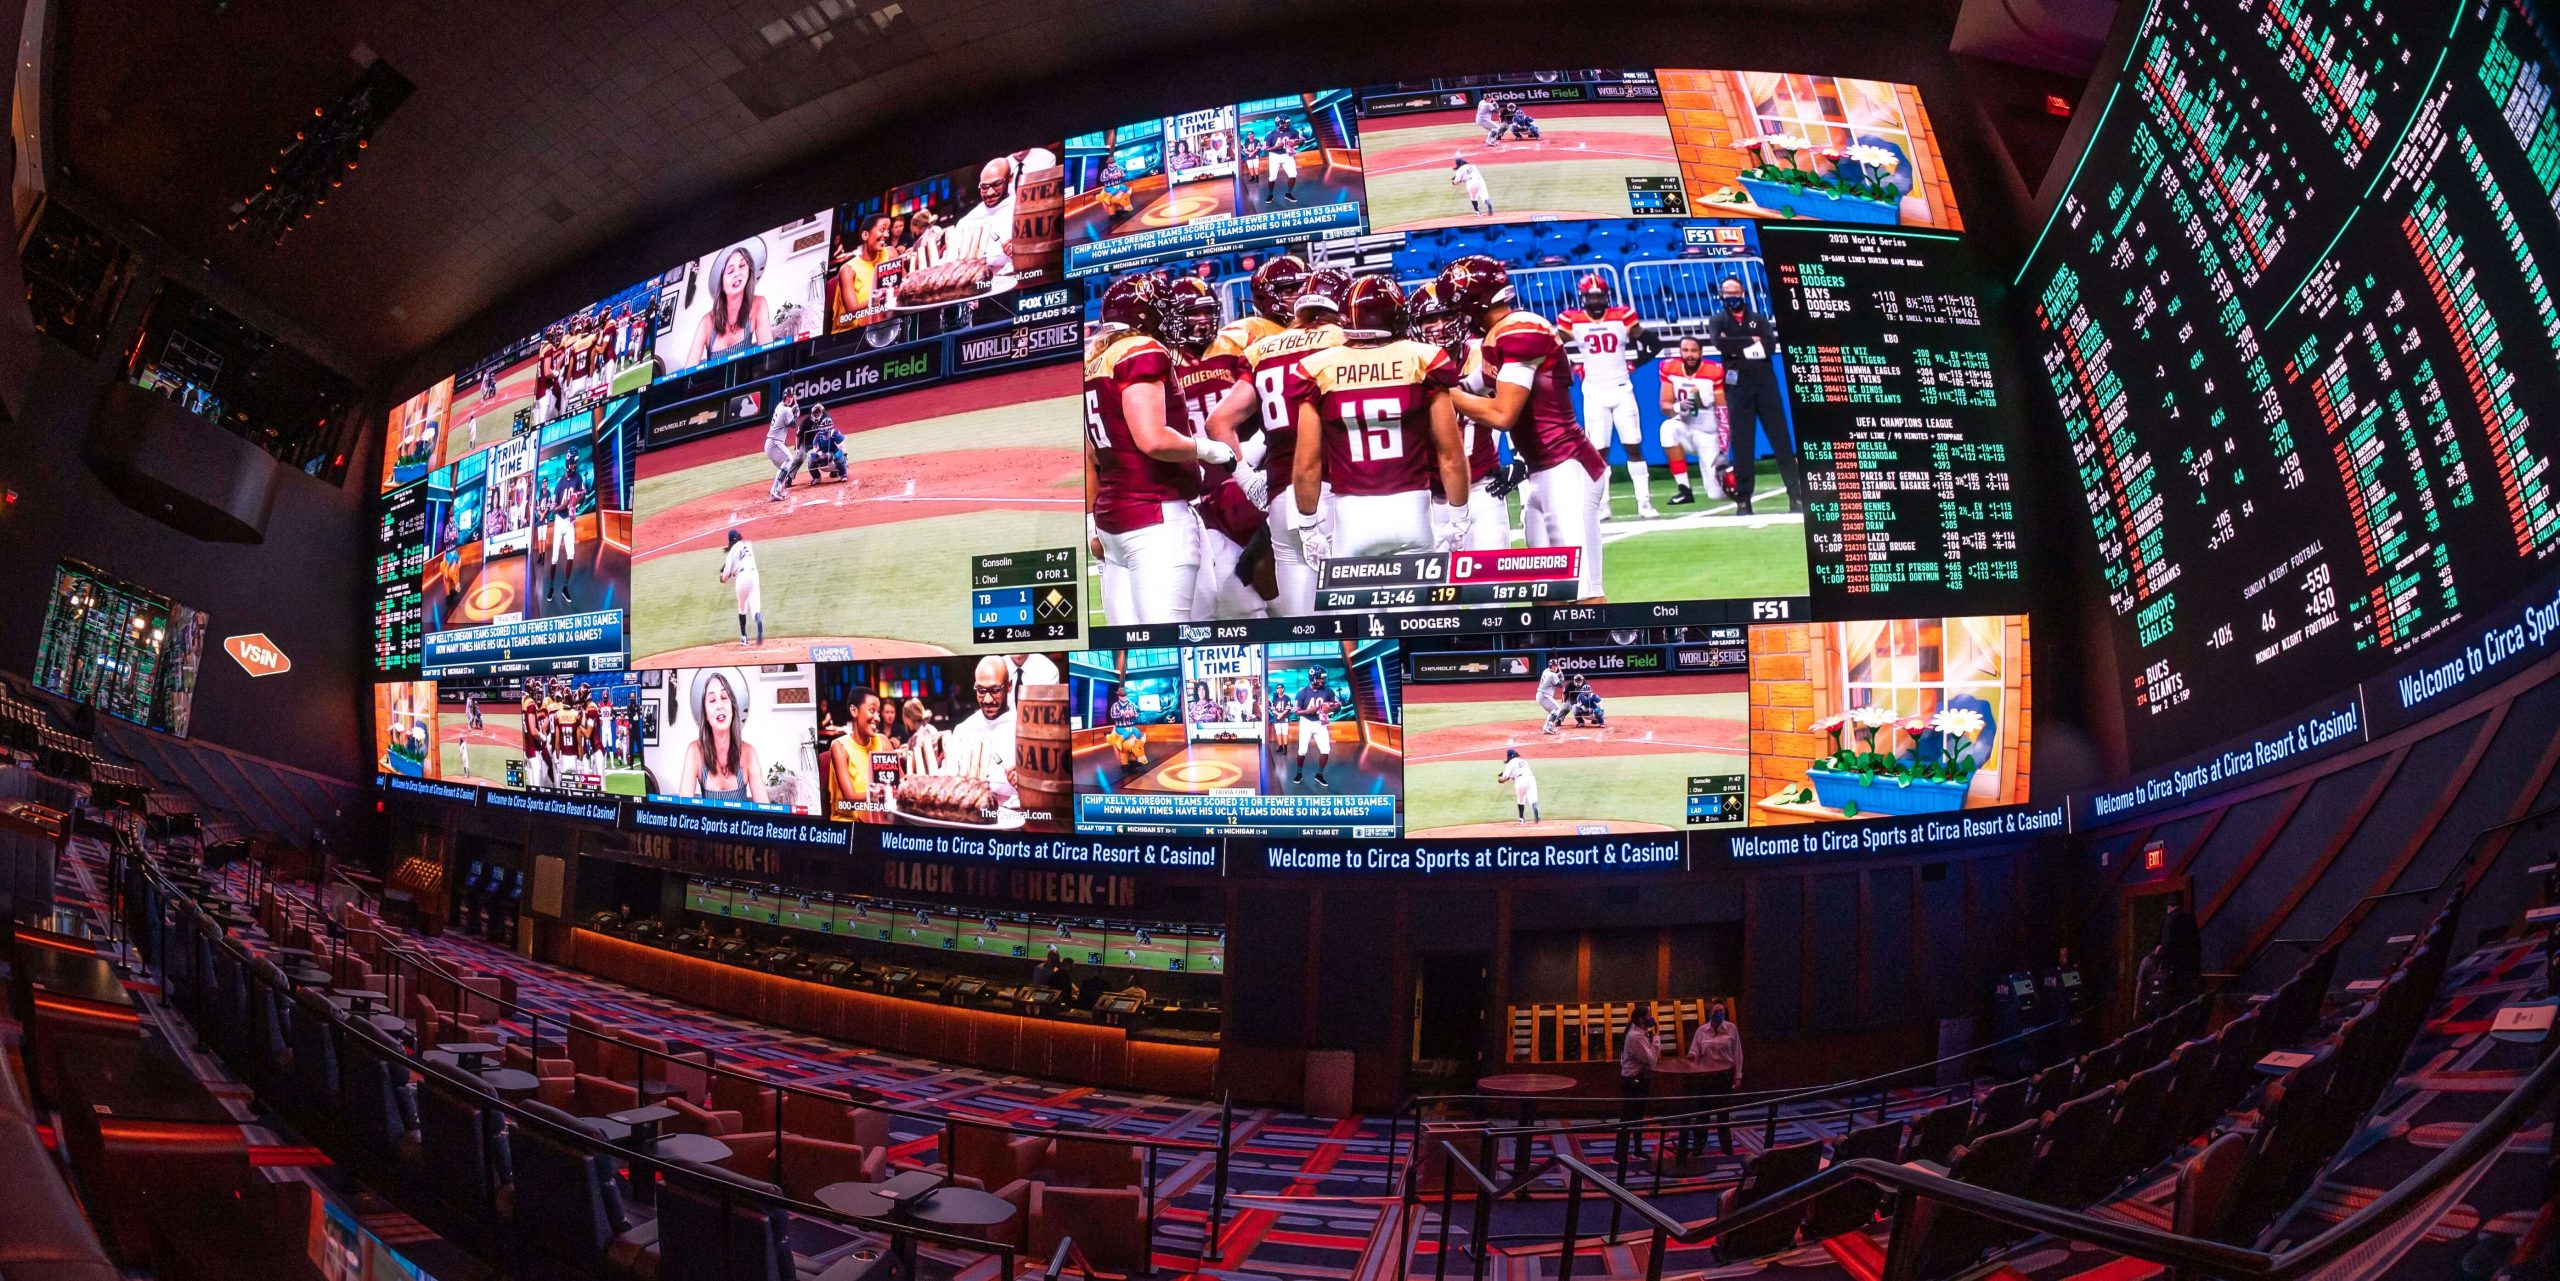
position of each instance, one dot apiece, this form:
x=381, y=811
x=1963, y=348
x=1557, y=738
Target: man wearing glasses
x=985, y=230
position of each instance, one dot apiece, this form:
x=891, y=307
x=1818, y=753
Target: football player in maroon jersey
x=1142, y=468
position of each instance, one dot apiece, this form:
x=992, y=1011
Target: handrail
x=635, y=1157
x=1730, y=1105
x=410, y=953
x=2485, y=1139
x=2461, y=866
x=947, y=1122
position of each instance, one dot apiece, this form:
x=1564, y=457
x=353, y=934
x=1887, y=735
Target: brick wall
x=1794, y=678
x=1708, y=112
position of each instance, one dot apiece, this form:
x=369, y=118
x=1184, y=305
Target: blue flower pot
x=1821, y=206
x=1885, y=796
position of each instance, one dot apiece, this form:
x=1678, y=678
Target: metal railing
x=2363, y=909
x=2186, y=1256
x=454, y=999
x=411, y=972
x=1726, y=1108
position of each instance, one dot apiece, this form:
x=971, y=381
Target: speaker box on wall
x=178, y=469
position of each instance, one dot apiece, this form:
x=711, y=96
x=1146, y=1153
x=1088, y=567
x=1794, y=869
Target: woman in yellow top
x=849, y=761
x=858, y=276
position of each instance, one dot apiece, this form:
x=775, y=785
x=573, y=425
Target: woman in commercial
x=738, y=318
x=720, y=765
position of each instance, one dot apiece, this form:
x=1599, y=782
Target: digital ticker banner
x=572, y=643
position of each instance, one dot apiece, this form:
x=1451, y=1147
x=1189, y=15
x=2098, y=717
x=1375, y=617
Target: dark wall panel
x=1543, y=966
x=1887, y=939
x=1267, y=969
x=1623, y=964
x=1831, y=951
x=1775, y=925
x=1357, y=1004
x=300, y=586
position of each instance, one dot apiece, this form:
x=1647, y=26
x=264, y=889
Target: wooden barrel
x=1039, y=224
x=1044, y=756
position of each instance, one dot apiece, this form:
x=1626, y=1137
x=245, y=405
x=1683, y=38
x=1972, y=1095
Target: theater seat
x=994, y=1157
x=1109, y=1226
x=1772, y=1171
x=805, y=1164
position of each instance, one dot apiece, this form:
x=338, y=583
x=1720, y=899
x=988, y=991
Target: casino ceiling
x=540, y=132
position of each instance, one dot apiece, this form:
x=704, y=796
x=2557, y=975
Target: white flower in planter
x=1962, y=722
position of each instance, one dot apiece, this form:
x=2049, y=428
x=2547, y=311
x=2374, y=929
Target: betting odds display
x=2292, y=312
x=1580, y=455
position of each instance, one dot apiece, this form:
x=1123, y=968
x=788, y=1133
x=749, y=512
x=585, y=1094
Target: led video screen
x=1291, y=738
x=735, y=737
x=1888, y=717
x=860, y=531
x=2305, y=431
x=414, y=435
x=1219, y=178
x=1827, y=149
x=404, y=729
x=948, y=253
x=575, y=363
x=1612, y=330
x=127, y=651
x=1472, y=150
x=1577, y=739
x=1056, y=940
x=764, y=291
x=528, y=546
x=977, y=744
x=399, y=581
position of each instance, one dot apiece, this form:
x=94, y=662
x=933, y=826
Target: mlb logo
x=1515, y=665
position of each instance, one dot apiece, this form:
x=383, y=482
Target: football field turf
x=1693, y=553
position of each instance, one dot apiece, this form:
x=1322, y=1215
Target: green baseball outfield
x=1579, y=169
x=1630, y=776
x=878, y=563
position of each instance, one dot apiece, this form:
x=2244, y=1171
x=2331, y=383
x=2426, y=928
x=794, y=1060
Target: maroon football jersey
x=1549, y=433
x=1227, y=509
x=1375, y=403
x=1130, y=488
x=1274, y=361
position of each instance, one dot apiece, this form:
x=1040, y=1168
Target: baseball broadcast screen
x=1473, y=150
x=975, y=744
x=529, y=551
x=1285, y=739
x=840, y=528
x=1221, y=178
x=765, y=291
x=738, y=738
x=1588, y=737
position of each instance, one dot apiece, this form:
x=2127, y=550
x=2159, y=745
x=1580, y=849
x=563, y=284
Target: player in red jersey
x=1230, y=501
x=1259, y=405
x=1141, y=468
x=1375, y=424
x=1488, y=516
x=1693, y=419
x=1607, y=345
x=1191, y=309
x=1531, y=397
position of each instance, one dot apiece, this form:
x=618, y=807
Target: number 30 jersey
x=1375, y=404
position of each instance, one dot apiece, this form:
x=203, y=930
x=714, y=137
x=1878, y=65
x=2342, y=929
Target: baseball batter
x=780, y=434
x=1605, y=339
x=738, y=569
x=1524, y=785
x=1551, y=696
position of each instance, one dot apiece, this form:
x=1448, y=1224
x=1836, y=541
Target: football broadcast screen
x=2304, y=430
x=1525, y=456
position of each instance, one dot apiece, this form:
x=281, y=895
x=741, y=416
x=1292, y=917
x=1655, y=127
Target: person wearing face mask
x=1716, y=1050
x=1747, y=343
x=1637, y=1055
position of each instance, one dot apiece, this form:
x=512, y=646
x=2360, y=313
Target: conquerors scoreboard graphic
x=1451, y=579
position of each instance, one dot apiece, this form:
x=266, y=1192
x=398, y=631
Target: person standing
x=1747, y=343
x=1637, y=1054
x=1716, y=1050
x=1524, y=785
x=781, y=439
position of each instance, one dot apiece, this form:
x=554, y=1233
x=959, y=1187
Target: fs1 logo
x=1767, y=611
x=257, y=655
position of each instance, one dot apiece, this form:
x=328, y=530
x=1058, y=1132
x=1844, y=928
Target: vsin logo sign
x=257, y=655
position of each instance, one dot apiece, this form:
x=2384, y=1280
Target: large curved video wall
x=2292, y=310
x=881, y=527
